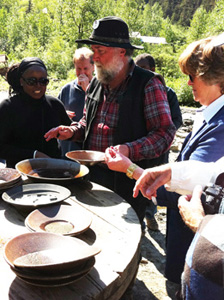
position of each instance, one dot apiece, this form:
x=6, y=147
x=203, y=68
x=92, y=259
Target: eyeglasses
x=34, y=81
x=191, y=78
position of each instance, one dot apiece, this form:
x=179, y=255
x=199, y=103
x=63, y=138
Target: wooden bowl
x=47, y=252
x=60, y=219
x=86, y=157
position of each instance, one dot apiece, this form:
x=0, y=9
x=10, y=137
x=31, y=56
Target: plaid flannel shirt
x=159, y=124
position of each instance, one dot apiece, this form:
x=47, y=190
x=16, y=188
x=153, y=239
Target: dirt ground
x=150, y=283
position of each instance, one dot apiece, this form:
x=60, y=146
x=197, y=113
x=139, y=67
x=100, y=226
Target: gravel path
x=151, y=283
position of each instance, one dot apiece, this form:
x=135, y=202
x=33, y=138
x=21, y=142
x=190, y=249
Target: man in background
x=73, y=93
x=146, y=61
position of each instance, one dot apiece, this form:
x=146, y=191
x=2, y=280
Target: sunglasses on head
x=34, y=81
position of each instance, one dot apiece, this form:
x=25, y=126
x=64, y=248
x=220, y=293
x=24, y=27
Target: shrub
x=184, y=92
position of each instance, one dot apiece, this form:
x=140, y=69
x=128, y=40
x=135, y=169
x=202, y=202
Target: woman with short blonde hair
x=205, y=59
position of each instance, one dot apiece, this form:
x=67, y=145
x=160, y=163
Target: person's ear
x=123, y=51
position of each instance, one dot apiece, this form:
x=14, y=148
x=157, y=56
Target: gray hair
x=83, y=53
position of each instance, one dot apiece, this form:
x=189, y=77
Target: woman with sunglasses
x=28, y=113
x=203, y=61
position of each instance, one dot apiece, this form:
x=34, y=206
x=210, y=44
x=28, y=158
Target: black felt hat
x=110, y=32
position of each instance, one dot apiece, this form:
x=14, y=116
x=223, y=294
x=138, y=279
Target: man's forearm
x=78, y=132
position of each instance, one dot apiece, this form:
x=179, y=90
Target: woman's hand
x=151, y=179
x=191, y=209
x=60, y=132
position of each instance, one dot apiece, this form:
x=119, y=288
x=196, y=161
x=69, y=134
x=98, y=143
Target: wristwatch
x=130, y=170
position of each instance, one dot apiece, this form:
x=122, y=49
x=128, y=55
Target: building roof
x=149, y=39
x=3, y=58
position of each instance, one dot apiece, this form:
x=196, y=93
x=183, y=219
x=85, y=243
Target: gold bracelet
x=130, y=170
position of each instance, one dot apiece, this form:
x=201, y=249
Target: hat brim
x=109, y=44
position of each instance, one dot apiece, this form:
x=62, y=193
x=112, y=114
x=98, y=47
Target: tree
x=197, y=28
x=76, y=17
x=152, y=20
x=215, y=21
x=3, y=30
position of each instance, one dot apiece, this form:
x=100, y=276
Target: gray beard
x=106, y=75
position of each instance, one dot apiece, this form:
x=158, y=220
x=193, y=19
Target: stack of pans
x=9, y=178
x=47, y=259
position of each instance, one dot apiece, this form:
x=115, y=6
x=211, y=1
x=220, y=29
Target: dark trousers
x=178, y=235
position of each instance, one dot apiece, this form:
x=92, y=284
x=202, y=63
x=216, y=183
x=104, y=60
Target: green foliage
x=58, y=57
x=184, y=92
x=152, y=20
x=48, y=29
x=198, y=25
x=181, y=11
x=75, y=19
x=3, y=84
x=167, y=65
x=3, y=29
x=175, y=35
x=215, y=21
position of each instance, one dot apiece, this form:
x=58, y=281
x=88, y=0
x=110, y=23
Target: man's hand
x=83, y=81
x=41, y=155
x=122, y=149
x=60, y=132
x=191, y=209
x=151, y=179
x=116, y=161
x=70, y=113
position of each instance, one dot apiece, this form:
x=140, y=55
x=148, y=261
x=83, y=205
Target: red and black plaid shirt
x=157, y=115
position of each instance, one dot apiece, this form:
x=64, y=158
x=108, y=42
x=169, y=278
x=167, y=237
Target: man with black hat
x=126, y=107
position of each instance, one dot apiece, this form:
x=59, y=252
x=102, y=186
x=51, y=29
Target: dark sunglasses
x=34, y=81
x=191, y=78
